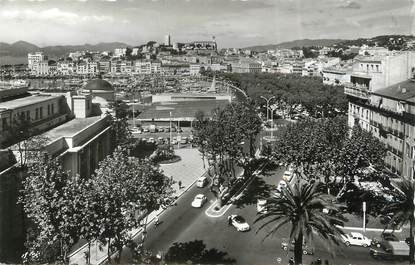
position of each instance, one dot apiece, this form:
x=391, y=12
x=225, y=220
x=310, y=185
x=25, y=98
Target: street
x=184, y=224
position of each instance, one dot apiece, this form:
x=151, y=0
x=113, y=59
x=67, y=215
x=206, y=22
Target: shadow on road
x=196, y=252
x=258, y=189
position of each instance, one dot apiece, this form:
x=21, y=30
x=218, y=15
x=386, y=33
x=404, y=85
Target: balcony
x=356, y=90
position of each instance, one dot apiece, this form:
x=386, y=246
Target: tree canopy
x=290, y=91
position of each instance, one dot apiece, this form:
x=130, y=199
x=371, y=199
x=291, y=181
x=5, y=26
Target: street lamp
x=267, y=100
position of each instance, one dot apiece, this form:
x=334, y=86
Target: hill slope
x=296, y=43
x=21, y=48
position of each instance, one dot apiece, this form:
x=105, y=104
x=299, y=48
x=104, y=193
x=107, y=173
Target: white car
x=199, y=200
x=238, y=222
x=261, y=206
x=356, y=239
x=281, y=185
x=201, y=182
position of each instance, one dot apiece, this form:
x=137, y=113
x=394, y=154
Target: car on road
x=384, y=237
x=356, y=239
x=390, y=250
x=238, y=222
x=288, y=174
x=286, y=245
x=201, y=182
x=281, y=185
x=174, y=141
x=199, y=200
x=261, y=206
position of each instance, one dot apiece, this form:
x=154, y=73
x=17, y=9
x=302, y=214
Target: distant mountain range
x=296, y=43
x=20, y=49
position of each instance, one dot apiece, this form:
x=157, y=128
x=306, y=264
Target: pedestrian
x=156, y=221
x=229, y=221
x=291, y=261
x=180, y=184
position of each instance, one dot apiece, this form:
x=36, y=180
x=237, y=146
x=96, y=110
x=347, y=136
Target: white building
x=120, y=52
x=35, y=58
x=167, y=40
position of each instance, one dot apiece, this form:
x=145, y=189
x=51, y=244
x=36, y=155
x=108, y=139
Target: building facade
x=381, y=95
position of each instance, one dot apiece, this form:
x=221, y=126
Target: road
x=184, y=224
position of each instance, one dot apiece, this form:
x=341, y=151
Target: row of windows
x=371, y=66
x=25, y=115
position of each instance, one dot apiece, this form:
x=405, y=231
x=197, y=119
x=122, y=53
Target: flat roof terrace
x=26, y=101
x=180, y=109
x=71, y=127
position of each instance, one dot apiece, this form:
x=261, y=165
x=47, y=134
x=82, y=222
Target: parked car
x=281, y=185
x=151, y=140
x=167, y=129
x=390, y=250
x=286, y=245
x=183, y=140
x=201, y=182
x=146, y=130
x=179, y=130
x=356, y=239
x=238, y=222
x=173, y=129
x=199, y=200
x=384, y=237
x=174, y=140
x=261, y=206
x=288, y=174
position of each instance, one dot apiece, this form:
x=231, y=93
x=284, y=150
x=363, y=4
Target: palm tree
x=302, y=207
x=402, y=209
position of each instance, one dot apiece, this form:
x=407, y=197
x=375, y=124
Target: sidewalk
x=187, y=170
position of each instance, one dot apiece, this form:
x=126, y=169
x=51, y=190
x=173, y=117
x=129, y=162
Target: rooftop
x=71, y=128
x=21, y=102
x=395, y=91
x=181, y=109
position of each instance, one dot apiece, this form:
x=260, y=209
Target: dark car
x=384, y=237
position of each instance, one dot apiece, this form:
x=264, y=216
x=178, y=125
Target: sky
x=234, y=23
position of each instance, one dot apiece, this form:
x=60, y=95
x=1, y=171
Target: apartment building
x=35, y=58
x=381, y=95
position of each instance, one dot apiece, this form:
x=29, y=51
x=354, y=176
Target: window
x=36, y=114
x=53, y=111
x=28, y=115
x=4, y=123
x=48, y=110
x=41, y=112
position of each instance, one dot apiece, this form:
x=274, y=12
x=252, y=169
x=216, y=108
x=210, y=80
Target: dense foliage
x=104, y=207
x=222, y=138
x=323, y=149
x=291, y=91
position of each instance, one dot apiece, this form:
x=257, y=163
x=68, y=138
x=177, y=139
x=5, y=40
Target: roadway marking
x=220, y=213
